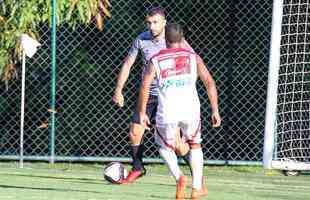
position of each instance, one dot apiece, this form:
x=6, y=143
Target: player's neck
x=174, y=45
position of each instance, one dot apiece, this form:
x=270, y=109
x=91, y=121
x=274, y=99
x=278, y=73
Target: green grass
x=40, y=181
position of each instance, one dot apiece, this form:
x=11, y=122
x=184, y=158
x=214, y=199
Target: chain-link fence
x=231, y=36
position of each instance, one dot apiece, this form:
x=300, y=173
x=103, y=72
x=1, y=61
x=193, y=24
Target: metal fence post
x=53, y=82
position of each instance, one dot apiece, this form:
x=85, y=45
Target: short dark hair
x=156, y=10
x=174, y=33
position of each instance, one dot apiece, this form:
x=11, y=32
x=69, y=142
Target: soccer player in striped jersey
x=175, y=71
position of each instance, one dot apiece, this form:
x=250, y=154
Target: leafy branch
x=25, y=16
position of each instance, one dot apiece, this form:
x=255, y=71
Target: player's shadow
x=72, y=190
x=53, y=177
x=67, y=179
x=48, y=189
x=78, y=180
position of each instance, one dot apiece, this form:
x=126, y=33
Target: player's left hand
x=145, y=121
x=216, y=119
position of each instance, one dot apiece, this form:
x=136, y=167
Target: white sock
x=196, y=162
x=172, y=162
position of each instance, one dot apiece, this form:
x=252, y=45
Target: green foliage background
x=25, y=16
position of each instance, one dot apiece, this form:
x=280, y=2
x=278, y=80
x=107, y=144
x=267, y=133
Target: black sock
x=137, y=154
x=186, y=159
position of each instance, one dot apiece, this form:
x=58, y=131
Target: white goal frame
x=271, y=108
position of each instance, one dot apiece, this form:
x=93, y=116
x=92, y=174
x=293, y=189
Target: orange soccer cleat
x=203, y=192
x=181, y=186
x=133, y=175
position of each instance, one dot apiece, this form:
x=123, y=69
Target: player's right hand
x=118, y=98
x=145, y=121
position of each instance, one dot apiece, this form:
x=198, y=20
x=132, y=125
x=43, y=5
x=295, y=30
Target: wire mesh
x=231, y=36
x=293, y=119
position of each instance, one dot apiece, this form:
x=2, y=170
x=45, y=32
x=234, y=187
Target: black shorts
x=151, y=108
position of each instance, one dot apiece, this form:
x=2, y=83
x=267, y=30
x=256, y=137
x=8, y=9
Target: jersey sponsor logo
x=174, y=66
x=176, y=83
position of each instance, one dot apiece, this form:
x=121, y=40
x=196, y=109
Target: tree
x=25, y=16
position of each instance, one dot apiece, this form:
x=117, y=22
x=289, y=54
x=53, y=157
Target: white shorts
x=165, y=135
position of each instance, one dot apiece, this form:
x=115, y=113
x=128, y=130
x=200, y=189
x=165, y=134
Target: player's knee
x=136, y=130
x=135, y=139
x=136, y=134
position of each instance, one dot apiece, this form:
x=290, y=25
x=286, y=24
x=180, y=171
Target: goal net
x=287, y=132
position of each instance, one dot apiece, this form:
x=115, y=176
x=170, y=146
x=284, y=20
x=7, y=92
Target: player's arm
x=121, y=80
x=210, y=85
x=144, y=93
x=123, y=75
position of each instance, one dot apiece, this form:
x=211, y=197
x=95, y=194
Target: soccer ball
x=115, y=172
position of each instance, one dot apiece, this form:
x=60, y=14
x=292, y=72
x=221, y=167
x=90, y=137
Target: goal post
x=287, y=121
x=274, y=63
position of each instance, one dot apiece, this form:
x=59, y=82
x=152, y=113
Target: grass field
x=40, y=181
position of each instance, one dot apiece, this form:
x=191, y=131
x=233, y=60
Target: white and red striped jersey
x=176, y=75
